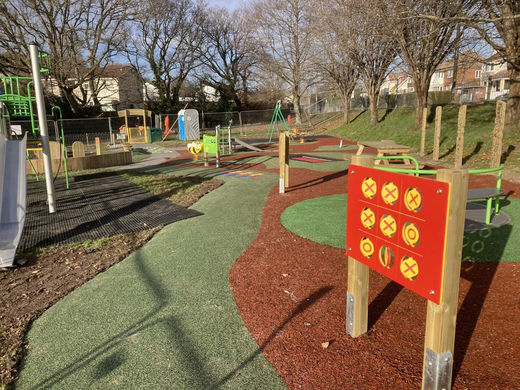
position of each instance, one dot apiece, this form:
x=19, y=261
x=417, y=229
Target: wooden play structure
x=139, y=133
x=409, y=229
x=283, y=160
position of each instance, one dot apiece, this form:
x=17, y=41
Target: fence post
x=111, y=131
x=240, y=121
x=459, y=150
x=437, y=136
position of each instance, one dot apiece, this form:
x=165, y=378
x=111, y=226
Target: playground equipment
x=477, y=217
x=409, y=229
x=277, y=117
x=212, y=146
x=188, y=125
x=283, y=161
x=12, y=196
x=195, y=148
x=140, y=133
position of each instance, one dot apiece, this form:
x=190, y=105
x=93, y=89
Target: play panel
x=396, y=225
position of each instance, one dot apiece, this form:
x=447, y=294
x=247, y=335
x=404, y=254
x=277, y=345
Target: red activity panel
x=396, y=225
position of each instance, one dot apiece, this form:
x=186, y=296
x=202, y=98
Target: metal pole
x=42, y=121
x=111, y=131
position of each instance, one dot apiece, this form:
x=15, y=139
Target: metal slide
x=246, y=145
x=13, y=185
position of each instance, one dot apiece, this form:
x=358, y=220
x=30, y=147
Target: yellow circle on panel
x=388, y=225
x=413, y=199
x=409, y=268
x=369, y=187
x=368, y=218
x=367, y=247
x=411, y=234
x=390, y=193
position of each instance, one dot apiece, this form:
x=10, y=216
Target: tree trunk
x=372, y=97
x=297, y=114
x=513, y=102
x=346, y=112
x=422, y=101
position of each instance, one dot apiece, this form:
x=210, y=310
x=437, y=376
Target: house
x=495, y=77
x=397, y=83
x=119, y=87
x=468, y=84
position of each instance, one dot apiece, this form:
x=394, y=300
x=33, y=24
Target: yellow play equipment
x=140, y=133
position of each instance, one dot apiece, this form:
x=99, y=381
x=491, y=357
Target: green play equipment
x=17, y=95
x=490, y=195
x=277, y=117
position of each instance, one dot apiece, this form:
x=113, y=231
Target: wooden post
x=98, y=146
x=357, y=288
x=283, y=161
x=437, y=135
x=441, y=319
x=459, y=151
x=423, y=130
x=498, y=134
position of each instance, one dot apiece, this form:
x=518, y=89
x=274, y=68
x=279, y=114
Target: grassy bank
x=397, y=125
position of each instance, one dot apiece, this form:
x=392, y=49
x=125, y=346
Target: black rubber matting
x=95, y=206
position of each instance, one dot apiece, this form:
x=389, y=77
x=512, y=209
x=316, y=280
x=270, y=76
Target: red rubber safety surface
x=291, y=295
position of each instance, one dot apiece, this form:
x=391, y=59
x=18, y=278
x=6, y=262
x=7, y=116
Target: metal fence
x=253, y=122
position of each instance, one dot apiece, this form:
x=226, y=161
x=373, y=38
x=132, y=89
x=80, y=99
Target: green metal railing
x=489, y=200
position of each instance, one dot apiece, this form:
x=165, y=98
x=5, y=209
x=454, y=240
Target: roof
x=112, y=71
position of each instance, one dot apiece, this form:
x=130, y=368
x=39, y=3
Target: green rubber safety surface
x=323, y=220
x=165, y=317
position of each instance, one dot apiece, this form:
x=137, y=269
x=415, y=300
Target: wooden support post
x=283, y=160
x=498, y=134
x=441, y=319
x=357, y=289
x=423, y=130
x=98, y=146
x=437, y=135
x=459, y=151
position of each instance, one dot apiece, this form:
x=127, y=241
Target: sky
x=231, y=5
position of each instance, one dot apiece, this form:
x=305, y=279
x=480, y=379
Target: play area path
x=232, y=299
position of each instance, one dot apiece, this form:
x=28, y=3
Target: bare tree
x=163, y=44
x=335, y=51
x=364, y=36
x=228, y=55
x=286, y=37
x=504, y=38
x=80, y=36
x=425, y=43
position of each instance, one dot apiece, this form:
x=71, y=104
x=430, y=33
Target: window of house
x=478, y=74
x=411, y=89
x=506, y=84
x=490, y=68
x=450, y=74
x=85, y=86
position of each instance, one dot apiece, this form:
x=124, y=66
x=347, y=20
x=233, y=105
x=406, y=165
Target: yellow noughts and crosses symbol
x=388, y=225
x=369, y=187
x=368, y=218
x=413, y=199
x=367, y=247
x=411, y=234
x=386, y=257
x=409, y=268
x=390, y=193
